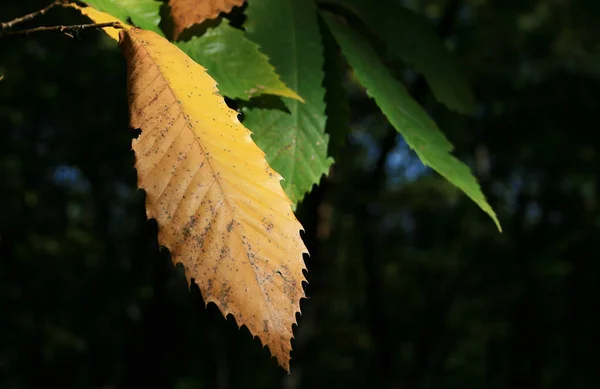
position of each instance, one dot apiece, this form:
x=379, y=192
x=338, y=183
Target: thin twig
x=7, y=25
x=67, y=30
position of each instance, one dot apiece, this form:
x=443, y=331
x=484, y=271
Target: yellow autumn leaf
x=101, y=17
x=220, y=208
x=186, y=13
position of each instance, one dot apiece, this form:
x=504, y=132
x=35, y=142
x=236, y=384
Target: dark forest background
x=411, y=286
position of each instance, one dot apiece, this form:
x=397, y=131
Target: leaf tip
x=487, y=208
x=292, y=94
x=497, y=222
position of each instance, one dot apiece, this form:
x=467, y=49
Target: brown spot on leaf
x=268, y=224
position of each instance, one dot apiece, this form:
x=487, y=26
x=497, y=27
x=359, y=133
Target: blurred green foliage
x=410, y=285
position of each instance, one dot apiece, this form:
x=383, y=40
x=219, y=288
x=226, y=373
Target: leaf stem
x=10, y=24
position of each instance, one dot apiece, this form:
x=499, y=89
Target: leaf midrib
x=296, y=109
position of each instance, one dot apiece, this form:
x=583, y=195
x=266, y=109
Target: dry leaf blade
x=186, y=13
x=219, y=206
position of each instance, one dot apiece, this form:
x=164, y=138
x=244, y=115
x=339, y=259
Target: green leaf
x=336, y=98
x=143, y=13
x=236, y=63
x=410, y=37
x=295, y=142
x=405, y=114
